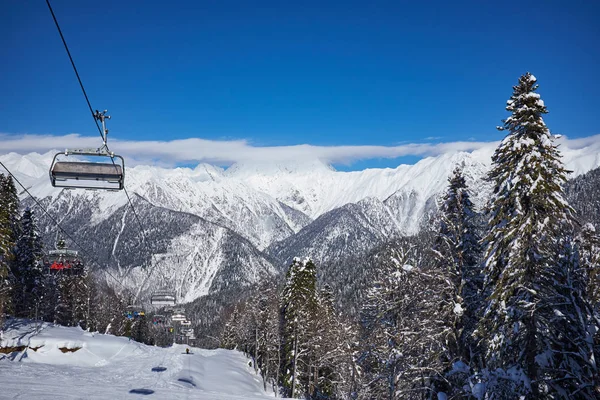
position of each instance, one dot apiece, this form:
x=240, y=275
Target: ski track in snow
x=124, y=369
x=120, y=232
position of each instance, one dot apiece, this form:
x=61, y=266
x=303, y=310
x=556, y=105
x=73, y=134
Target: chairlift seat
x=87, y=175
x=64, y=261
x=134, y=311
x=162, y=298
x=178, y=317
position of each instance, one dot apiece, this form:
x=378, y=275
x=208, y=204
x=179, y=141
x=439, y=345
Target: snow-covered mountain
x=178, y=251
x=208, y=228
x=342, y=232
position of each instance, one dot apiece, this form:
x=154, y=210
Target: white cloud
x=195, y=150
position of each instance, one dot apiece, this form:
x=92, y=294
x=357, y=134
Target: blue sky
x=290, y=73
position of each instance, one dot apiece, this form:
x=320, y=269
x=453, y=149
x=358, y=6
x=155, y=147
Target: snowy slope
x=109, y=367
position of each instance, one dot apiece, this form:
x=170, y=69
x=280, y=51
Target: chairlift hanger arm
x=101, y=116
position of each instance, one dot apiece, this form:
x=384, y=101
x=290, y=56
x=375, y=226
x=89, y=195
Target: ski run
x=112, y=367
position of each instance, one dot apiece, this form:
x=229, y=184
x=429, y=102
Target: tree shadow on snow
x=141, y=391
x=188, y=381
x=159, y=369
x=11, y=323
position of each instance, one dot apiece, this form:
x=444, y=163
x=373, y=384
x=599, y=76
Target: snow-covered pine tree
x=63, y=306
x=377, y=356
x=28, y=268
x=140, y=330
x=230, y=337
x=588, y=247
x=589, y=256
x=535, y=326
x=9, y=216
x=404, y=333
x=267, y=356
x=457, y=253
x=80, y=288
x=298, y=308
x=332, y=349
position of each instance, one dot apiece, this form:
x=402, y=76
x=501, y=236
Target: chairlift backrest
x=88, y=175
x=63, y=252
x=135, y=309
x=178, y=317
x=162, y=298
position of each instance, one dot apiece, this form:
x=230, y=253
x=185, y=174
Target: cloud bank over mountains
x=227, y=152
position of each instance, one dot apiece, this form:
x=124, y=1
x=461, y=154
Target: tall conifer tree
x=9, y=209
x=298, y=308
x=457, y=252
x=536, y=325
x=28, y=267
x=589, y=252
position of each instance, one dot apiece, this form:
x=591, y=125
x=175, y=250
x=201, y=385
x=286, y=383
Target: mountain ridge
x=260, y=215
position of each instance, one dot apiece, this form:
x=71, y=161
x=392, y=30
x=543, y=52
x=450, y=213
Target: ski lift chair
x=162, y=298
x=178, y=317
x=64, y=261
x=56, y=266
x=90, y=174
x=134, y=311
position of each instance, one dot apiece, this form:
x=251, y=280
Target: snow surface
x=111, y=367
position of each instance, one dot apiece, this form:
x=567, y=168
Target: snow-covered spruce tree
x=253, y=327
x=230, y=337
x=378, y=357
x=537, y=323
x=330, y=363
x=28, y=268
x=298, y=307
x=331, y=356
x=79, y=297
x=9, y=216
x=588, y=247
x=458, y=253
x=107, y=309
x=404, y=330
x=267, y=355
x=140, y=330
x=589, y=256
x=64, y=305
